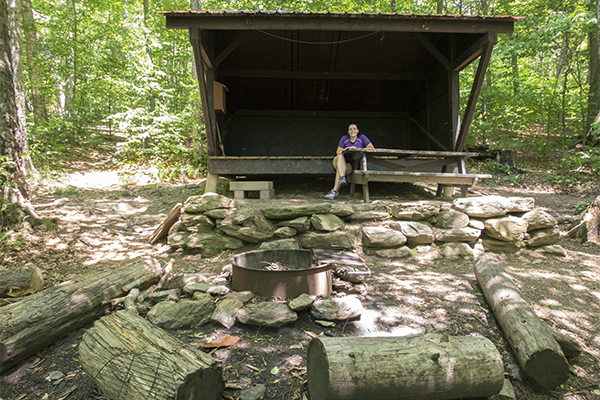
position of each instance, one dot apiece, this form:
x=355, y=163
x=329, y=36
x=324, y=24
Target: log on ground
x=39, y=320
x=163, y=229
x=20, y=281
x=428, y=366
x=130, y=358
x=537, y=352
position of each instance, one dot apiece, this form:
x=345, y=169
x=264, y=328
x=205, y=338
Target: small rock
x=344, y=308
x=302, y=302
x=218, y=290
x=54, y=375
x=255, y=393
x=268, y=314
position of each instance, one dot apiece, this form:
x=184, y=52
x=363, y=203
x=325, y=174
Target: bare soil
x=107, y=221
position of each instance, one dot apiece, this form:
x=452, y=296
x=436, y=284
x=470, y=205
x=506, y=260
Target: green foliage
x=582, y=206
x=69, y=190
x=117, y=68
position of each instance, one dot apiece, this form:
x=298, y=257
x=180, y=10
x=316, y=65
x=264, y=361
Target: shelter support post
x=211, y=183
x=200, y=71
x=484, y=61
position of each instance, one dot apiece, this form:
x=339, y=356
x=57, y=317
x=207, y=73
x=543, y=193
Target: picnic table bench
x=391, y=165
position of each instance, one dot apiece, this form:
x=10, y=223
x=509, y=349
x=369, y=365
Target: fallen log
x=537, y=352
x=20, y=281
x=163, y=229
x=130, y=358
x=428, y=366
x=37, y=321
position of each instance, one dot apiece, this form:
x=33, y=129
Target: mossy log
x=429, y=366
x=537, y=352
x=20, y=281
x=39, y=320
x=129, y=358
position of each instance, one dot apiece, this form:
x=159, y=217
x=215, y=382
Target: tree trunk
x=534, y=347
x=39, y=320
x=40, y=112
x=14, y=23
x=430, y=366
x=13, y=186
x=129, y=358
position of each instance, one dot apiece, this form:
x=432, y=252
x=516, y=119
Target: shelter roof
x=292, y=20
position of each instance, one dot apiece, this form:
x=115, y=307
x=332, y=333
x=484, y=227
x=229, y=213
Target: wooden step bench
x=463, y=181
x=240, y=189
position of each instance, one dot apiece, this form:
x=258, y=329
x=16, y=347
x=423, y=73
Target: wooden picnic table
x=394, y=165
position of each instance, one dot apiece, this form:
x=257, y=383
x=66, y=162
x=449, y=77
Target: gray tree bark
x=40, y=112
x=429, y=366
x=12, y=180
x=14, y=32
x=129, y=358
x=39, y=320
x=539, y=355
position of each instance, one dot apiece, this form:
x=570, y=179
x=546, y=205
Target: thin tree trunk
x=40, y=112
x=515, y=68
x=14, y=33
x=593, y=117
x=439, y=9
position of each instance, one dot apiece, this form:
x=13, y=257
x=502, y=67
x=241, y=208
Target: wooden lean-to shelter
x=279, y=88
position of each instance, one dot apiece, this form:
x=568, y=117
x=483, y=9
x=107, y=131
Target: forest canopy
x=94, y=67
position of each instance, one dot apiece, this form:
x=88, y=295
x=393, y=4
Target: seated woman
x=342, y=162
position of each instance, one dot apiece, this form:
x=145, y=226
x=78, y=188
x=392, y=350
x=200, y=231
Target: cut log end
x=548, y=368
x=317, y=371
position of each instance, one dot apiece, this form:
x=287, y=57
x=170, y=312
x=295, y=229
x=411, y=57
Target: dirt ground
x=108, y=218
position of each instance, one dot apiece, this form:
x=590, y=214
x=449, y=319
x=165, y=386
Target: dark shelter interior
x=280, y=88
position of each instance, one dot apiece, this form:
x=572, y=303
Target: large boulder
x=539, y=219
x=543, y=237
x=184, y=314
x=214, y=240
x=467, y=234
x=507, y=228
x=247, y=224
x=196, y=223
x=502, y=246
x=337, y=309
x=205, y=202
x=375, y=236
x=289, y=243
x=315, y=240
x=416, y=210
x=291, y=212
x=415, y=232
x=301, y=224
x=483, y=207
x=326, y=222
x=268, y=314
x=452, y=219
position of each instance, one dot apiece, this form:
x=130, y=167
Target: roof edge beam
x=335, y=23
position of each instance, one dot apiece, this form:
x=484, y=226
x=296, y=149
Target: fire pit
x=281, y=273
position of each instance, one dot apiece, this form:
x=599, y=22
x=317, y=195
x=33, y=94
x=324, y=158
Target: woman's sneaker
x=343, y=181
x=332, y=194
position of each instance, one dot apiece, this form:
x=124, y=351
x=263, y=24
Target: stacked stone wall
x=212, y=223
